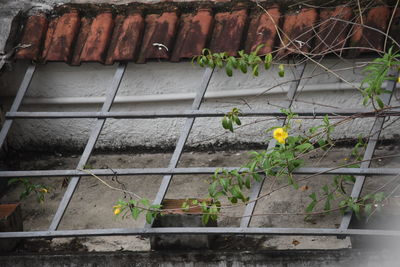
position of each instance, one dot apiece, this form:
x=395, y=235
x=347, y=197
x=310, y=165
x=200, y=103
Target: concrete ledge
x=341, y=258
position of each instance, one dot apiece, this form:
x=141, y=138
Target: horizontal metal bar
x=195, y=113
x=186, y=171
x=202, y=231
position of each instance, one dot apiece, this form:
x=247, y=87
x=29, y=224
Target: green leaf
x=228, y=69
x=205, y=218
x=224, y=183
x=326, y=119
x=212, y=188
x=145, y=202
x=230, y=125
x=225, y=122
x=267, y=61
x=237, y=120
x=313, y=196
x=321, y=143
x=247, y=182
x=234, y=62
x=327, y=205
x=233, y=200
x=135, y=213
x=380, y=102
x=13, y=181
x=256, y=177
x=304, y=147
x=356, y=209
x=185, y=206
x=311, y=206
x=149, y=217
x=243, y=66
x=258, y=49
x=255, y=70
x=281, y=72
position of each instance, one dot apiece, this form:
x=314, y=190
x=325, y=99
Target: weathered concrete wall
x=342, y=258
x=55, y=80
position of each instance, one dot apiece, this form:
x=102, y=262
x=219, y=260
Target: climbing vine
x=279, y=162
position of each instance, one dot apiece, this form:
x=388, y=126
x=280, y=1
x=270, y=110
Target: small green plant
x=376, y=73
x=243, y=62
x=39, y=190
x=136, y=207
x=230, y=119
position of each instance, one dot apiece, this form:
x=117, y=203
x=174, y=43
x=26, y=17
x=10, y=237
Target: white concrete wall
x=55, y=80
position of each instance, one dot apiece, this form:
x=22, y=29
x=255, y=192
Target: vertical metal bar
x=112, y=92
x=369, y=151
x=183, y=137
x=257, y=187
x=17, y=101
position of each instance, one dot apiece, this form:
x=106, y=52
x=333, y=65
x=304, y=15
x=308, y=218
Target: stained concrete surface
x=91, y=206
x=335, y=258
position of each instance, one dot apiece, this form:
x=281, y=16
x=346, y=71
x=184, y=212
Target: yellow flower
x=43, y=190
x=398, y=79
x=280, y=135
x=117, y=211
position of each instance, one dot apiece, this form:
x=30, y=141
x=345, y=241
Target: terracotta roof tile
x=262, y=30
x=98, y=38
x=33, y=35
x=61, y=36
x=158, y=36
x=139, y=32
x=298, y=30
x=126, y=38
x=333, y=34
x=228, y=30
x=192, y=35
x=81, y=40
x=364, y=36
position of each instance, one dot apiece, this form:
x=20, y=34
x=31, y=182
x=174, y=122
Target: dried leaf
x=295, y=242
x=304, y=188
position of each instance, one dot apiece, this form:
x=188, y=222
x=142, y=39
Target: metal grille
x=172, y=169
